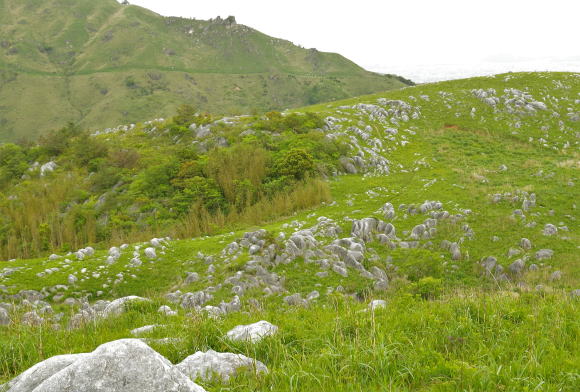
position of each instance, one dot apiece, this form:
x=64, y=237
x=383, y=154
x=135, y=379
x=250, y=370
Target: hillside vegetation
x=433, y=245
x=100, y=63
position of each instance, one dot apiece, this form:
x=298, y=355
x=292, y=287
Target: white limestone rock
x=377, y=304
x=117, y=306
x=252, y=332
x=144, y=330
x=150, y=253
x=205, y=365
x=127, y=365
x=550, y=230
x=166, y=310
x=4, y=317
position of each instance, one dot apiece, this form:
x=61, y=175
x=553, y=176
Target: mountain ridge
x=120, y=63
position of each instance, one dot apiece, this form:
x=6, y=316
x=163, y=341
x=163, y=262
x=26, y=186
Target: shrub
x=155, y=181
x=12, y=162
x=228, y=167
x=296, y=163
x=56, y=142
x=124, y=158
x=428, y=288
x=187, y=115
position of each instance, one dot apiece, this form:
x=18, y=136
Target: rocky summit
x=425, y=238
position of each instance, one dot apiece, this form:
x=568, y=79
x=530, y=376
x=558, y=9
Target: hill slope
x=459, y=212
x=100, y=63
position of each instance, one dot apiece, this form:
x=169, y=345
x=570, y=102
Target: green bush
x=12, y=162
x=197, y=189
x=155, y=181
x=297, y=163
x=428, y=288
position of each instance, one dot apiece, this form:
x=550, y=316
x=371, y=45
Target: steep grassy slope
x=485, y=301
x=100, y=63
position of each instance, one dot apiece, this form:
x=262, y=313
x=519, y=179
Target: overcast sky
x=415, y=36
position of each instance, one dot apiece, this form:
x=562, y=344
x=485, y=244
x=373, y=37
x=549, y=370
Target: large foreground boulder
x=205, y=365
x=127, y=365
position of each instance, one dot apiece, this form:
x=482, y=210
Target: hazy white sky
x=386, y=34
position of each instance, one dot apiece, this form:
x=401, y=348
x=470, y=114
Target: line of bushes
x=159, y=179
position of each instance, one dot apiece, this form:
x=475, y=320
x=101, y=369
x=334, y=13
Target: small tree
x=186, y=115
x=12, y=161
x=297, y=163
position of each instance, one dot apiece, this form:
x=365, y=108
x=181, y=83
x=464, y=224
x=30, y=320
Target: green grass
x=468, y=341
x=446, y=327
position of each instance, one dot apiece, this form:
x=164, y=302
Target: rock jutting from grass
x=128, y=365
x=252, y=332
x=223, y=365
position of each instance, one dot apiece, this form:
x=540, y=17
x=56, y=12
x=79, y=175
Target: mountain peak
x=101, y=63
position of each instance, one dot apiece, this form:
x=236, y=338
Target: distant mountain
x=100, y=63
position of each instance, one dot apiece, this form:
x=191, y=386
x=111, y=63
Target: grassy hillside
x=100, y=64
x=479, y=272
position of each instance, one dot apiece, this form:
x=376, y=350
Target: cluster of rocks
x=137, y=367
x=515, y=101
x=492, y=268
x=379, y=135
x=122, y=128
x=43, y=169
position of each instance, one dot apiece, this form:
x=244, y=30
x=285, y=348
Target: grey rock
x=364, y=228
x=150, y=253
x=232, y=248
x=381, y=285
x=31, y=319
x=550, y=230
x=556, y=275
x=377, y=304
x=312, y=295
x=388, y=210
x=205, y=365
x=348, y=165
x=254, y=249
x=192, y=277
x=517, y=267
x=166, y=310
x=455, y=251
x=513, y=252
x=191, y=300
x=340, y=270
x=4, y=317
x=144, y=330
x=252, y=332
x=128, y=365
x=295, y=300
x=379, y=273
x=29, y=380
x=544, y=254
x=235, y=305
x=174, y=297
x=489, y=264
x=525, y=244
x=418, y=231
x=117, y=306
